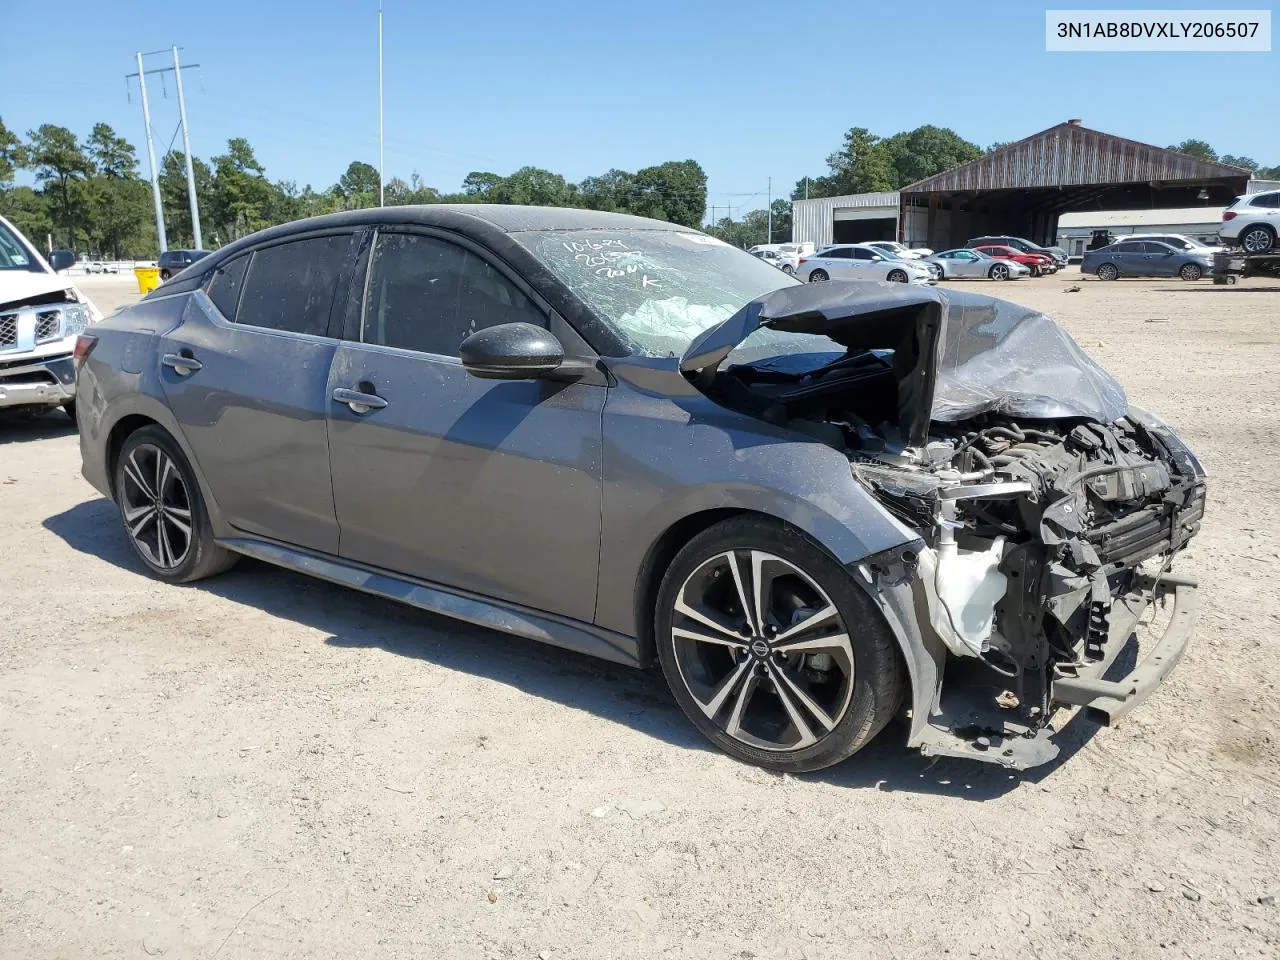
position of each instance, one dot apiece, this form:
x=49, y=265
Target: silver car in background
x=965, y=264
x=860, y=261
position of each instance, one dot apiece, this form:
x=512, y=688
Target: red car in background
x=1037, y=263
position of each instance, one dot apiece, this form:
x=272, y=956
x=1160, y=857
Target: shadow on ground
x=16, y=429
x=639, y=700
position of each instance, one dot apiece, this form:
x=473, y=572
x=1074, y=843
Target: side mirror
x=877, y=257
x=511, y=351
x=61, y=259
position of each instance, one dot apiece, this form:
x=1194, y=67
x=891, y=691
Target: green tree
x=112, y=155
x=478, y=183
x=612, y=191
x=533, y=186
x=28, y=210
x=11, y=154
x=1267, y=173
x=674, y=191
x=177, y=202
x=56, y=158
x=359, y=185
x=1196, y=148
x=925, y=151
x=241, y=194
x=118, y=215
x=1247, y=163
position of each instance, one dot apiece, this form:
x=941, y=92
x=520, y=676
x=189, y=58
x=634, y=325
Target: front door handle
x=357, y=401
x=182, y=364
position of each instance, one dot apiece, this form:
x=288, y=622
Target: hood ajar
x=954, y=355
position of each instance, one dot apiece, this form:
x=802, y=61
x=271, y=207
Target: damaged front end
x=1049, y=510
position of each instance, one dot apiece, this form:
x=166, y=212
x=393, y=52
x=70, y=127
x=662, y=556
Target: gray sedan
x=627, y=438
x=974, y=265
x=1146, y=258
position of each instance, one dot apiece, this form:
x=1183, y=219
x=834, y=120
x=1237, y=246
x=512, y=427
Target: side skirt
x=447, y=601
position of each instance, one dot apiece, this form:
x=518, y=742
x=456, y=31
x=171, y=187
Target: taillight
x=84, y=346
x=1228, y=215
x=803, y=261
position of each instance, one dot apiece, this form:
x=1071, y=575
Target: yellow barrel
x=148, y=278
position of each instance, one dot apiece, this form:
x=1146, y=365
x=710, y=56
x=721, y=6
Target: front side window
x=13, y=253
x=291, y=286
x=428, y=295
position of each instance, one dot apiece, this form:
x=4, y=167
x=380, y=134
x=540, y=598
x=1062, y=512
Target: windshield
x=657, y=289
x=13, y=254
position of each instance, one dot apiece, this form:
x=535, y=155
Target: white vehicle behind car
x=859, y=261
x=41, y=314
x=1252, y=222
x=901, y=251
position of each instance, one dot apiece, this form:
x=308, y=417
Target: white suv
x=41, y=314
x=1252, y=221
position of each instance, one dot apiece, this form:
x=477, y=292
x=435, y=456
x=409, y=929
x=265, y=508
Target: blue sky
x=749, y=89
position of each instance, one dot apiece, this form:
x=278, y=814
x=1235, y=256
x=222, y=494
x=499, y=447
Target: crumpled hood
x=956, y=354
x=19, y=285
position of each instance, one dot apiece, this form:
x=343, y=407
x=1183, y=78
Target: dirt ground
x=265, y=765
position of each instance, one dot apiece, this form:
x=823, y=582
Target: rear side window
x=225, y=284
x=428, y=295
x=1267, y=200
x=291, y=286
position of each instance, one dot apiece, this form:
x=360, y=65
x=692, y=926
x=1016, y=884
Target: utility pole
x=381, y=175
x=770, y=240
x=806, y=188
x=151, y=156
x=186, y=147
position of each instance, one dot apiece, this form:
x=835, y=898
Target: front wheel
x=772, y=650
x=789, y=270
x=1191, y=271
x=1107, y=271
x=999, y=272
x=897, y=276
x=817, y=276
x=1258, y=239
x=163, y=513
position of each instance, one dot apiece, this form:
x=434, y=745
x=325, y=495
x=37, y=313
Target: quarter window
x=225, y=284
x=291, y=286
x=428, y=295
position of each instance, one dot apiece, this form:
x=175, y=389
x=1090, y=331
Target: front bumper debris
x=970, y=721
x=36, y=381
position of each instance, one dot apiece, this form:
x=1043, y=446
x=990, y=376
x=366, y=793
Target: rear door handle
x=357, y=401
x=181, y=364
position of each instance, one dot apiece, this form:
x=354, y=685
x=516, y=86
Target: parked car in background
x=1179, y=241
x=1146, y=258
x=175, y=261
x=808, y=516
x=966, y=264
x=857, y=261
x=102, y=266
x=769, y=256
x=1252, y=222
x=900, y=250
x=41, y=314
x=799, y=248
x=1056, y=254
x=1037, y=263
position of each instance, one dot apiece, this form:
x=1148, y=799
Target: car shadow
x=1224, y=288
x=637, y=699
x=24, y=429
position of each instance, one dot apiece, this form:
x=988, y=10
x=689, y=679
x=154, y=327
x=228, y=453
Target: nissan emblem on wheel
x=812, y=506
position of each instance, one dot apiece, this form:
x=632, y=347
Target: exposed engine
x=1032, y=527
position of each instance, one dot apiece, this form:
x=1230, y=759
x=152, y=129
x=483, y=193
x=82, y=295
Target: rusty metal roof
x=1069, y=154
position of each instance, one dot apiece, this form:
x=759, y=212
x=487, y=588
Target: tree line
x=90, y=197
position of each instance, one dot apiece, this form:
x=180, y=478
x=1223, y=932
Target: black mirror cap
x=61, y=259
x=511, y=351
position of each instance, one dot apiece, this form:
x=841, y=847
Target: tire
x=139, y=472
x=897, y=276
x=1107, y=271
x=1258, y=238
x=836, y=696
x=817, y=276
x=1191, y=271
x=164, y=275
x=998, y=271
x=789, y=270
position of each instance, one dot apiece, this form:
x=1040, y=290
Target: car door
x=489, y=486
x=1161, y=259
x=864, y=264
x=244, y=373
x=836, y=262
x=965, y=263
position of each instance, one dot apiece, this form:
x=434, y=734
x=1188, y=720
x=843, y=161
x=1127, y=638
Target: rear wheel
x=788, y=270
x=897, y=276
x=772, y=650
x=163, y=513
x=1107, y=271
x=1258, y=239
x=1191, y=271
x=999, y=272
x=816, y=276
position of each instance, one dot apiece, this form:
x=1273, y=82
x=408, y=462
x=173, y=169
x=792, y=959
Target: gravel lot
x=265, y=765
